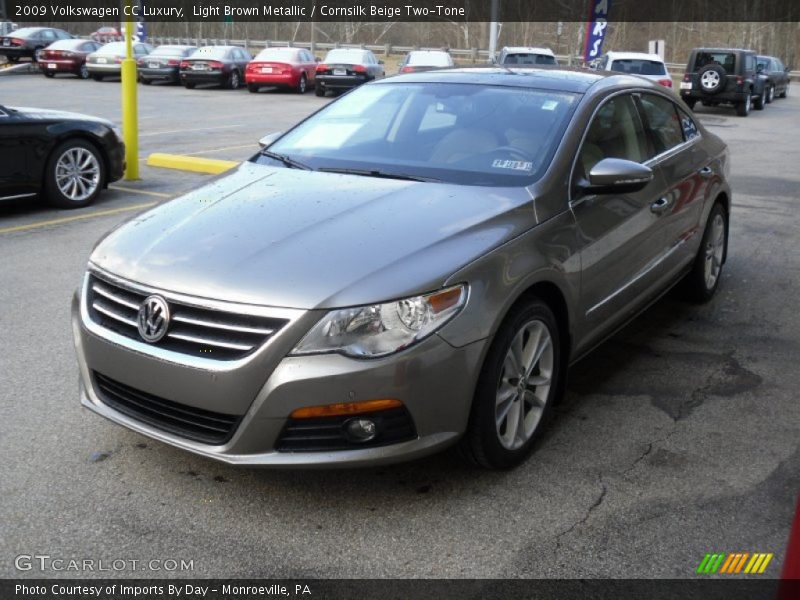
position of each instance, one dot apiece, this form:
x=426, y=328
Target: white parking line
x=152, y=133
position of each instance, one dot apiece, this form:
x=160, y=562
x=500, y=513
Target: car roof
x=723, y=50
x=562, y=79
x=529, y=49
x=634, y=55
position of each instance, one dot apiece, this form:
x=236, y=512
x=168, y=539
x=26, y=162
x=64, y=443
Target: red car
x=106, y=34
x=67, y=56
x=293, y=68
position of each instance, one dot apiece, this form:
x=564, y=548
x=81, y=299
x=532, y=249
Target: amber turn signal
x=345, y=408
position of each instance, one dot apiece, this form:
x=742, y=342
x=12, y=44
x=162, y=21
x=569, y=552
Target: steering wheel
x=515, y=152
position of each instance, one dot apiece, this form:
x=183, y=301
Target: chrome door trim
x=17, y=196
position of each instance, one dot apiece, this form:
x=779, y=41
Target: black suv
x=724, y=76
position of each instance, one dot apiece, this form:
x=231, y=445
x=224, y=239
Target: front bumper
x=434, y=380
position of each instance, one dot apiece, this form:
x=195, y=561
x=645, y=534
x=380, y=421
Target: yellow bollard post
x=130, y=119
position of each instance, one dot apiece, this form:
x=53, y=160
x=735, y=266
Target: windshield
x=66, y=44
x=435, y=59
x=217, y=52
x=169, y=51
x=727, y=60
x=638, y=66
x=277, y=54
x=529, y=59
x=346, y=56
x=455, y=133
x=113, y=48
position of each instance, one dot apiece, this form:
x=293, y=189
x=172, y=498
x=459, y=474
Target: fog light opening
x=361, y=430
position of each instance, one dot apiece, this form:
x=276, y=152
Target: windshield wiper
x=376, y=173
x=289, y=162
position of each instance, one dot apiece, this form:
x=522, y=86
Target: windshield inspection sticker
x=517, y=165
x=549, y=105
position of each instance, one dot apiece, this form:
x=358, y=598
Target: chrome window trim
x=170, y=356
x=16, y=196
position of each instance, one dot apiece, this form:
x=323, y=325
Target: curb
x=190, y=163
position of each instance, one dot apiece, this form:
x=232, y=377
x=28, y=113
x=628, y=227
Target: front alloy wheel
x=75, y=175
x=519, y=380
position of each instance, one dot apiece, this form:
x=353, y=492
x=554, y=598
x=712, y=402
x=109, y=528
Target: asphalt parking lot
x=677, y=437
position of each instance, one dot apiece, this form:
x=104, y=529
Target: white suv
x=649, y=66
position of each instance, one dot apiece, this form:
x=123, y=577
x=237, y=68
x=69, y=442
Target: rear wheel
x=233, y=80
x=49, y=74
x=13, y=59
x=75, y=175
x=703, y=280
x=690, y=102
x=83, y=72
x=188, y=86
x=516, y=388
x=303, y=85
x=252, y=88
x=743, y=108
x=97, y=77
x=771, y=94
x=145, y=81
x=785, y=91
x=319, y=90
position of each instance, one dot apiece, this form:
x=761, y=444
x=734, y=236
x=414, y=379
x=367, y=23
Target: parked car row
x=733, y=77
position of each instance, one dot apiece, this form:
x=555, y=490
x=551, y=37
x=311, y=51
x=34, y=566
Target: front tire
x=703, y=280
x=519, y=380
x=75, y=175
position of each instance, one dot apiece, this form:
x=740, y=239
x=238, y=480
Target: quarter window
x=615, y=132
x=662, y=120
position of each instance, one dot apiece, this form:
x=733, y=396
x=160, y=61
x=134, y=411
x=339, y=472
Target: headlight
x=381, y=329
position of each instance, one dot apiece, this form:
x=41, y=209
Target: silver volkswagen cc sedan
x=413, y=267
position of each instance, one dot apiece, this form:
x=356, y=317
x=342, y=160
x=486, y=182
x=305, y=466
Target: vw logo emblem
x=153, y=319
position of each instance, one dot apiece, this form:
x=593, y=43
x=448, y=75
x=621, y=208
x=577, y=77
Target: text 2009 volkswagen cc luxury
x=413, y=267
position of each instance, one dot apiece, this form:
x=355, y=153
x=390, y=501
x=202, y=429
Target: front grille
x=186, y=421
x=327, y=433
x=192, y=330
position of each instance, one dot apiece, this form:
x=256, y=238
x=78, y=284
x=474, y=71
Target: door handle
x=660, y=205
x=706, y=172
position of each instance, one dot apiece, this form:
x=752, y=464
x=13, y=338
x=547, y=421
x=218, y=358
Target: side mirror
x=268, y=139
x=617, y=176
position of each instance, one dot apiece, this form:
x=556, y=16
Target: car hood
x=299, y=239
x=57, y=115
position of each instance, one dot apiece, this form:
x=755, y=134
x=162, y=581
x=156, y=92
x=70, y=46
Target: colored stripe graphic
x=733, y=563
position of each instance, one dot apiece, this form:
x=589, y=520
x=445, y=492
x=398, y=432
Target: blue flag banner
x=596, y=29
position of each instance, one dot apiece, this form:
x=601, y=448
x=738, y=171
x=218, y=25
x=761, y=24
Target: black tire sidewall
x=53, y=195
x=482, y=431
x=696, y=281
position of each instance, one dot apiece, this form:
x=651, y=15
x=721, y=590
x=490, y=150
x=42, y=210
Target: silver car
x=414, y=267
x=107, y=61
